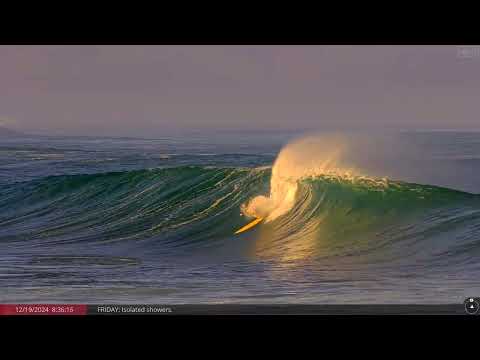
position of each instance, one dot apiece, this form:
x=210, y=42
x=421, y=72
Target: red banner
x=43, y=309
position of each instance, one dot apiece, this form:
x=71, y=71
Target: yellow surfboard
x=249, y=226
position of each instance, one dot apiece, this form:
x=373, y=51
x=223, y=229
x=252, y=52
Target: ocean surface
x=124, y=220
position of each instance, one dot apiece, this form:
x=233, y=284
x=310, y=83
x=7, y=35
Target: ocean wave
x=182, y=207
x=125, y=205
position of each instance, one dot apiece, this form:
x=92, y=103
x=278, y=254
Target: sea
x=373, y=217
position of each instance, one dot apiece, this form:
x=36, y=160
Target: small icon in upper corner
x=468, y=52
x=471, y=306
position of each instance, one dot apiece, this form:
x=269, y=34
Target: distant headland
x=5, y=132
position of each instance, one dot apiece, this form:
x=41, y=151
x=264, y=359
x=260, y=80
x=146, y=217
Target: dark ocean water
x=92, y=220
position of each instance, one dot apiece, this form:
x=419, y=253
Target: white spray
x=310, y=156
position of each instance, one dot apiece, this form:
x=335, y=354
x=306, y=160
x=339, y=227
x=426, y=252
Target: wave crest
x=306, y=157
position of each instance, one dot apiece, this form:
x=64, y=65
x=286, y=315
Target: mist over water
x=343, y=156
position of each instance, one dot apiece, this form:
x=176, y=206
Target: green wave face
x=190, y=206
x=181, y=204
x=350, y=217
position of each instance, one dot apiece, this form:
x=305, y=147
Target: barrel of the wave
x=249, y=225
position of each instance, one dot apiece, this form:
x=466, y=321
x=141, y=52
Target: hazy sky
x=149, y=90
